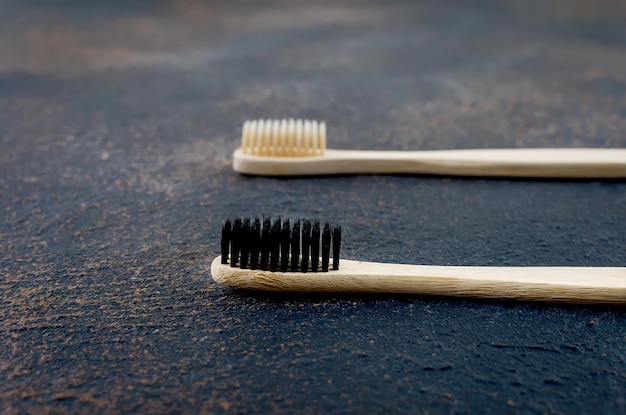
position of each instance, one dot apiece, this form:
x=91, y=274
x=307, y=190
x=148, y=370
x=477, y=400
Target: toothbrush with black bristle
x=282, y=255
x=298, y=148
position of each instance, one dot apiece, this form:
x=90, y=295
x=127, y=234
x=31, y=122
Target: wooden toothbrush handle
x=575, y=163
x=552, y=284
x=597, y=285
x=578, y=163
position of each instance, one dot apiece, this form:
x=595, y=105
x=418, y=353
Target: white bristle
x=299, y=134
x=314, y=139
x=284, y=138
x=267, y=135
x=245, y=140
x=291, y=132
x=322, y=136
x=258, y=136
x=307, y=138
x=274, y=149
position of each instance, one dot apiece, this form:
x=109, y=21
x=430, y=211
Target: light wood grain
x=597, y=285
x=576, y=163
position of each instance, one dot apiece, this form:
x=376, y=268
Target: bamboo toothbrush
x=275, y=255
x=297, y=147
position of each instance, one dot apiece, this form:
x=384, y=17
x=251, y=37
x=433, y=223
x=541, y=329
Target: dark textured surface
x=117, y=121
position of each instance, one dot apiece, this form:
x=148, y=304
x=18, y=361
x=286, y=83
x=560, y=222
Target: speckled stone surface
x=117, y=123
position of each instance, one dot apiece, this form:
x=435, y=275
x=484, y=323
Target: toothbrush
x=279, y=255
x=298, y=147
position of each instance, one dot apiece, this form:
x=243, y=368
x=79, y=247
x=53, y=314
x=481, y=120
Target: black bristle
x=235, y=243
x=336, y=246
x=275, y=245
x=306, y=245
x=245, y=243
x=255, y=241
x=265, y=245
x=325, y=247
x=225, y=242
x=295, y=245
x=280, y=246
x=315, y=246
x=285, y=236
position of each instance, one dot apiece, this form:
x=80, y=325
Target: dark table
x=117, y=123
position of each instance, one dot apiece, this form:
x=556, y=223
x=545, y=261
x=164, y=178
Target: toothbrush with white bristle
x=282, y=255
x=298, y=148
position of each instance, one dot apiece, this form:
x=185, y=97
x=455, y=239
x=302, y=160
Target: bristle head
x=284, y=138
x=280, y=245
